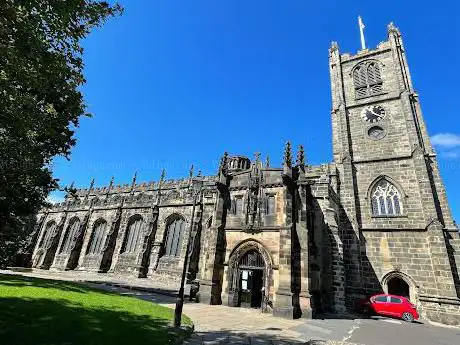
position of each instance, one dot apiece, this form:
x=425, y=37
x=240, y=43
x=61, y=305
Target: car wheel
x=406, y=316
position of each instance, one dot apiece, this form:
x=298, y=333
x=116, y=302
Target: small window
x=238, y=205
x=270, y=205
x=381, y=299
x=395, y=300
x=376, y=133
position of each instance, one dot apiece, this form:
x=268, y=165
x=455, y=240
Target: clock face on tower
x=373, y=113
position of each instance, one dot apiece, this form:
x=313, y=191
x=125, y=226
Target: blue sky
x=171, y=83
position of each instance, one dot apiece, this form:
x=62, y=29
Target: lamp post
x=196, y=190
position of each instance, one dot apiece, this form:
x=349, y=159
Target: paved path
x=219, y=325
x=225, y=325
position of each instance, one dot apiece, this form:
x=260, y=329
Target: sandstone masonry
x=295, y=240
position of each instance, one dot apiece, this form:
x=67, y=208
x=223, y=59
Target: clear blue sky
x=171, y=83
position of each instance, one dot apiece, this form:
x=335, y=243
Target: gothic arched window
x=367, y=80
x=97, y=237
x=174, y=234
x=386, y=199
x=70, y=236
x=133, y=235
x=48, y=234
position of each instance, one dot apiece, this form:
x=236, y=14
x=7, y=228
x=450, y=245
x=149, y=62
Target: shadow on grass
x=43, y=321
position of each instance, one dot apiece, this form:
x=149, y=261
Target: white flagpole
x=361, y=32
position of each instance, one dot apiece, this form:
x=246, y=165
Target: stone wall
x=413, y=245
x=322, y=245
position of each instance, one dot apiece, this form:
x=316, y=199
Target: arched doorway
x=251, y=274
x=397, y=286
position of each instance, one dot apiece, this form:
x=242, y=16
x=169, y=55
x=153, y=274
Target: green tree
x=41, y=70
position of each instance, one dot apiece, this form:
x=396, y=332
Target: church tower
x=394, y=218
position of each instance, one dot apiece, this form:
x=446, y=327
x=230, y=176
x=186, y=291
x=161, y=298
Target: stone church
x=295, y=240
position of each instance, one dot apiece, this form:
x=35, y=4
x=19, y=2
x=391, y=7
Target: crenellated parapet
x=172, y=191
x=139, y=187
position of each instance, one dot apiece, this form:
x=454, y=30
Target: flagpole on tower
x=361, y=32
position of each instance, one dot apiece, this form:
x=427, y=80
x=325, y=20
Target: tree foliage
x=41, y=70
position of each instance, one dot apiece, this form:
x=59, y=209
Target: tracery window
x=132, y=235
x=367, y=80
x=97, y=237
x=174, y=234
x=69, y=239
x=49, y=232
x=386, y=199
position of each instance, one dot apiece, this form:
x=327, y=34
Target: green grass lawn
x=39, y=311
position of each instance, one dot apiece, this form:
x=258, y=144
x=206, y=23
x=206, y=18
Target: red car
x=389, y=305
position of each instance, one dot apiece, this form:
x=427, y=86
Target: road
x=215, y=321
x=383, y=331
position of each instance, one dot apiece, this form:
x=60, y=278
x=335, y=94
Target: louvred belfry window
x=367, y=79
x=386, y=200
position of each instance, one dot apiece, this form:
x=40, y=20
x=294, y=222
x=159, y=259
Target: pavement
x=221, y=325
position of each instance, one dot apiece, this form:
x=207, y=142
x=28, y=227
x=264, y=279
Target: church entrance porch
x=249, y=276
x=251, y=280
